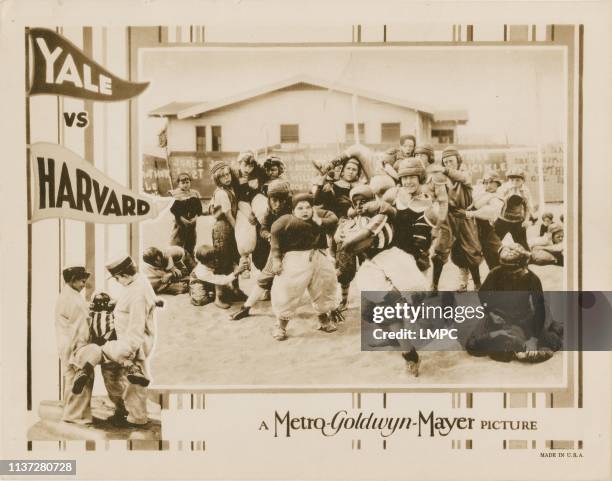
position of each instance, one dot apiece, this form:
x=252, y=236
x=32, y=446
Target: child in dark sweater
x=514, y=325
x=186, y=209
x=279, y=204
x=300, y=263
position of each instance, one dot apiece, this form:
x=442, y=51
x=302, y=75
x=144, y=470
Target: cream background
x=235, y=449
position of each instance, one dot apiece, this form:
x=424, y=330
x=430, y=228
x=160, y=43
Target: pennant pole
x=29, y=225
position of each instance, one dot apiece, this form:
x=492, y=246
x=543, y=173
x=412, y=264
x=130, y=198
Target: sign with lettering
x=61, y=68
x=67, y=186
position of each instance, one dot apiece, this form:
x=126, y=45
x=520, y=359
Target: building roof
x=184, y=110
x=459, y=116
x=173, y=108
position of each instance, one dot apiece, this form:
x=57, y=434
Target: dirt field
x=200, y=346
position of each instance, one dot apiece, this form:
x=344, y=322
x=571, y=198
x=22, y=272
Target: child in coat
x=186, y=209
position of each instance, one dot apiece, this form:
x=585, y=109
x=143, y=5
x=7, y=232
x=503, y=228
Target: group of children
x=387, y=221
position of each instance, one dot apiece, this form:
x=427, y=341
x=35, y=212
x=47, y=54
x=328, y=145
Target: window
x=201, y=139
x=290, y=134
x=440, y=136
x=390, y=133
x=216, y=138
x=350, y=133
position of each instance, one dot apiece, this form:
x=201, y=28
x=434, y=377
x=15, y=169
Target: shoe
x=128, y=424
x=325, y=324
x=534, y=357
x=219, y=297
x=413, y=362
x=413, y=367
x=244, y=311
x=336, y=316
x=81, y=379
x=280, y=330
x=236, y=294
x=119, y=417
x=136, y=376
x=505, y=347
x=124, y=423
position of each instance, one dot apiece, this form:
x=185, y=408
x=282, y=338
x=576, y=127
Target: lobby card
x=263, y=240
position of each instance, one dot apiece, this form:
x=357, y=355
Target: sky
x=497, y=86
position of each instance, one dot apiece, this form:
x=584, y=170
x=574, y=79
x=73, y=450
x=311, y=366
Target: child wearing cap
x=249, y=177
x=135, y=325
x=518, y=208
x=485, y=210
x=72, y=333
x=334, y=195
x=186, y=209
x=399, y=267
x=466, y=251
x=279, y=204
x=514, y=325
x=547, y=219
x=274, y=168
x=407, y=144
x=368, y=213
x=300, y=263
x=548, y=249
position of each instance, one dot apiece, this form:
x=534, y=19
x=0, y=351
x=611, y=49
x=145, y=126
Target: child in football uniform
x=548, y=249
x=518, y=208
x=101, y=322
x=301, y=264
x=279, y=204
x=547, y=219
x=365, y=206
x=274, y=168
x=436, y=186
x=514, y=325
x=485, y=210
x=334, y=195
x=466, y=251
x=398, y=267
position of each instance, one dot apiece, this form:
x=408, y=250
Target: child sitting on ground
x=547, y=219
x=514, y=324
x=548, y=249
x=101, y=322
x=203, y=279
x=166, y=270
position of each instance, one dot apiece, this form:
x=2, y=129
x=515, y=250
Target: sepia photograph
x=304, y=176
x=328, y=242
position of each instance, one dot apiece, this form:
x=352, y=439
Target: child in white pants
x=301, y=264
